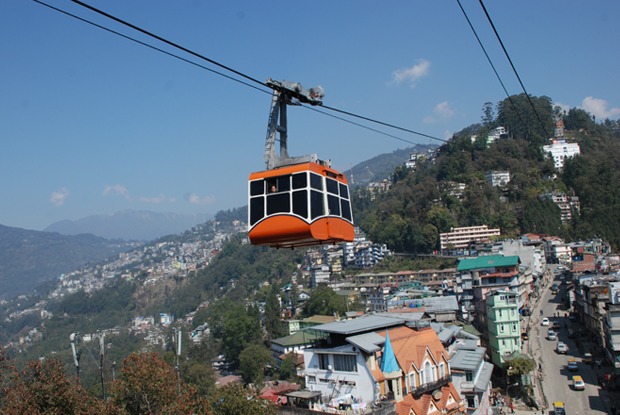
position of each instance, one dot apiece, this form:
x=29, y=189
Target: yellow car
x=578, y=383
x=558, y=408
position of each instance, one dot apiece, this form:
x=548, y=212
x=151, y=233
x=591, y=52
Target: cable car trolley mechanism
x=297, y=201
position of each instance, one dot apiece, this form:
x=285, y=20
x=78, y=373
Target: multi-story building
x=471, y=376
x=464, y=237
x=611, y=327
x=567, y=204
x=490, y=273
x=560, y=150
x=372, y=358
x=496, y=134
x=498, y=178
x=504, y=327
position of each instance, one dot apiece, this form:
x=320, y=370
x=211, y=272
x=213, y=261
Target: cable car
x=297, y=201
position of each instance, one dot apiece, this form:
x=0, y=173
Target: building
x=471, y=375
x=464, y=237
x=496, y=134
x=560, y=150
x=374, y=358
x=487, y=274
x=611, y=327
x=498, y=178
x=504, y=327
x=567, y=204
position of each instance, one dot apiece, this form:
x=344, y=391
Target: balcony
x=431, y=386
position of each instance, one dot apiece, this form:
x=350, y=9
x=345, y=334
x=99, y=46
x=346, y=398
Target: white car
x=552, y=335
x=562, y=348
x=544, y=321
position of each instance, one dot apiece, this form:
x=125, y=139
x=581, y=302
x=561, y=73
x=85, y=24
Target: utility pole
x=177, y=341
x=101, y=354
x=75, y=337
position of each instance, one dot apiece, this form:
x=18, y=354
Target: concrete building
x=498, y=178
x=560, y=150
x=504, y=327
x=462, y=238
x=471, y=376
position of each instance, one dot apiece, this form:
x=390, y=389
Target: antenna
x=177, y=339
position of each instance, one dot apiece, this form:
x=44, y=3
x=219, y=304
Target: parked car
x=587, y=358
x=572, y=365
x=551, y=335
x=562, y=348
x=544, y=321
x=578, y=383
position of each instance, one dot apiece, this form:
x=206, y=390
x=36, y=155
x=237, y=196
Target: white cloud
x=598, y=108
x=116, y=190
x=441, y=112
x=157, y=200
x=564, y=107
x=411, y=75
x=195, y=199
x=58, y=198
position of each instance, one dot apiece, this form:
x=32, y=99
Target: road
x=557, y=379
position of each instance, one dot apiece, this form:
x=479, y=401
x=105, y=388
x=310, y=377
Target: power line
x=513, y=67
x=471, y=26
x=238, y=73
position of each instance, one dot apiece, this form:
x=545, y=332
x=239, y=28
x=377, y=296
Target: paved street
x=556, y=384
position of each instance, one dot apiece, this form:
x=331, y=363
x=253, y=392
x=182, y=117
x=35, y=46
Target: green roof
x=488, y=261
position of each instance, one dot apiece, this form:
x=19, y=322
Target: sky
x=92, y=123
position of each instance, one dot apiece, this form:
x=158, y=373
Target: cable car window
x=346, y=209
x=257, y=209
x=334, y=205
x=332, y=186
x=316, y=204
x=344, y=191
x=316, y=181
x=300, y=180
x=284, y=183
x=278, y=203
x=257, y=187
x=300, y=202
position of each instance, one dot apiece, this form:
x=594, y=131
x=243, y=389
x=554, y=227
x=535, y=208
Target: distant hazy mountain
x=29, y=258
x=130, y=225
x=380, y=167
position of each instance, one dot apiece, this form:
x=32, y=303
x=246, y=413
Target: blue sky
x=91, y=123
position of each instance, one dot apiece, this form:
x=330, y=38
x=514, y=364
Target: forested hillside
x=422, y=204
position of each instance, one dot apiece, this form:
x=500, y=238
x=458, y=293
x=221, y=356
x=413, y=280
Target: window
x=442, y=370
x=428, y=373
x=257, y=209
x=323, y=361
x=345, y=363
x=311, y=379
x=317, y=208
x=333, y=203
x=501, y=328
x=300, y=203
x=411, y=380
x=469, y=376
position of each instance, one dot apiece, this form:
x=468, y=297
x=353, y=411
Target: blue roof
x=388, y=362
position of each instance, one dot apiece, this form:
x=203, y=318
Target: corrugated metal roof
x=360, y=325
x=488, y=261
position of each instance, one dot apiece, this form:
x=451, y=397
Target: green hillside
x=421, y=204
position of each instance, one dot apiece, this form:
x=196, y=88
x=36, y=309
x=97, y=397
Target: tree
x=236, y=400
x=324, y=301
x=148, y=385
x=252, y=362
x=42, y=388
x=273, y=324
x=488, y=117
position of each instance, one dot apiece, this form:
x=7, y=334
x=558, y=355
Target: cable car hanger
x=288, y=93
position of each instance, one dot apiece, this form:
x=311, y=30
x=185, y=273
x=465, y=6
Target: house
x=374, y=358
x=471, y=376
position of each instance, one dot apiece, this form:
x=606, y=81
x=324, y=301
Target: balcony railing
x=431, y=386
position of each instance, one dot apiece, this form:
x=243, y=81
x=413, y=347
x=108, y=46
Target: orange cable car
x=297, y=201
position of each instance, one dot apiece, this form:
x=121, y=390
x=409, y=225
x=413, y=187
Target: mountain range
x=30, y=258
x=130, y=225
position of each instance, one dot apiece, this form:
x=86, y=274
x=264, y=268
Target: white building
x=560, y=150
x=498, y=178
x=461, y=238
